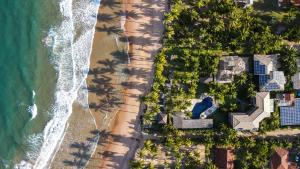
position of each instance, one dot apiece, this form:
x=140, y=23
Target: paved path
x=282, y=133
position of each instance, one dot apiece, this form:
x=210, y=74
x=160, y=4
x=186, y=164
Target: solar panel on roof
x=272, y=87
x=258, y=68
x=290, y=115
x=263, y=79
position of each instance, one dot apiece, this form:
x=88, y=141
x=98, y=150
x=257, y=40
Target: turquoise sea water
x=27, y=76
x=44, y=60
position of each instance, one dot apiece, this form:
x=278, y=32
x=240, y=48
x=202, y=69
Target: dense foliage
x=177, y=149
x=271, y=123
x=288, y=60
x=292, y=25
x=256, y=153
x=197, y=34
x=227, y=95
x=218, y=25
x=250, y=152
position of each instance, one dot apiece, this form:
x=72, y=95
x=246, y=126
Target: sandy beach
x=107, y=64
x=127, y=36
x=143, y=28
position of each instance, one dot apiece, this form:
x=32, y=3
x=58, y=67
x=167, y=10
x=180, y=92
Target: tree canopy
x=288, y=60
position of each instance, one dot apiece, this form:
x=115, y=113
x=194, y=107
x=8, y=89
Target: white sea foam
x=33, y=143
x=33, y=111
x=70, y=44
x=33, y=94
x=4, y=162
x=33, y=108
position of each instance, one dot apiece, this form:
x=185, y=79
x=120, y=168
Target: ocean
x=44, y=54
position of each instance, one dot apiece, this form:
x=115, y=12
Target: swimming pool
x=201, y=107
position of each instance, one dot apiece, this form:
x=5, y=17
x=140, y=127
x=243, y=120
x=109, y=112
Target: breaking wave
x=70, y=44
x=33, y=109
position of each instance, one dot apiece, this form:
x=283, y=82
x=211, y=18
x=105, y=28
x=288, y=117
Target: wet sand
x=107, y=73
x=79, y=140
x=115, y=82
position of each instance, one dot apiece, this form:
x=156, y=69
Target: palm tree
x=288, y=58
x=210, y=165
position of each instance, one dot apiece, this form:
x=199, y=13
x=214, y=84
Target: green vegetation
x=210, y=165
x=292, y=23
x=227, y=95
x=251, y=152
x=288, y=60
x=176, y=151
x=285, y=22
x=218, y=25
x=152, y=98
x=209, y=64
x=148, y=151
x=271, y=123
x=197, y=34
x=256, y=153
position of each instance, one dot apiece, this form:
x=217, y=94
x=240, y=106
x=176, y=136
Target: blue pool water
x=201, y=107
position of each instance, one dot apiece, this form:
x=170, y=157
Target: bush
x=271, y=123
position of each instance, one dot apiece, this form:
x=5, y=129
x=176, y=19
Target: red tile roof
x=290, y=2
x=289, y=97
x=293, y=165
x=224, y=158
x=295, y=2
x=279, y=159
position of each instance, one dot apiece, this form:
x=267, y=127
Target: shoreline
x=120, y=71
x=104, y=85
x=80, y=102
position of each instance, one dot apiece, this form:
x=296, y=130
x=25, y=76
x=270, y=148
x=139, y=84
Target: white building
x=296, y=81
x=245, y=3
x=250, y=121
